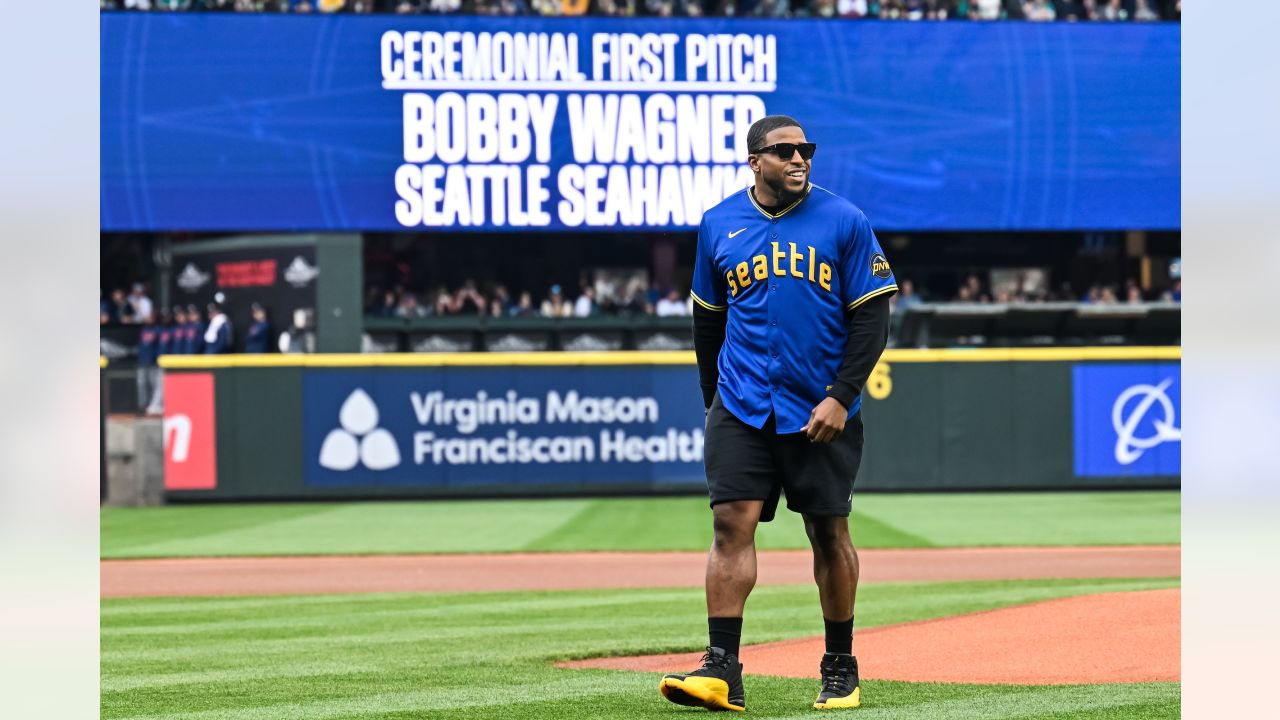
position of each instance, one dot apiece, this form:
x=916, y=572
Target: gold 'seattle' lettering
x=784, y=264
x=761, y=267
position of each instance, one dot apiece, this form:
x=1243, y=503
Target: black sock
x=839, y=636
x=726, y=633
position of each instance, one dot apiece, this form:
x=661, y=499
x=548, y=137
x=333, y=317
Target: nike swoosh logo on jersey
x=734, y=233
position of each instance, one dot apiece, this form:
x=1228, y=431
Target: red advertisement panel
x=190, y=461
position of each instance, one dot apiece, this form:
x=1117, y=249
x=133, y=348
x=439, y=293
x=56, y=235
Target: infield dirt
x=1110, y=638
x=566, y=571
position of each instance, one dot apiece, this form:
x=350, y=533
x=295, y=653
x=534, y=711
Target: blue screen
x=263, y=122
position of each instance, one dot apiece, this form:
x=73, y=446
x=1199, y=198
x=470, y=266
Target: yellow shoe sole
x=854, y=700
x=710, y=693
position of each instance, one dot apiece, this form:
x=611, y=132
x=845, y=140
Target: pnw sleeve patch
x=880, y=266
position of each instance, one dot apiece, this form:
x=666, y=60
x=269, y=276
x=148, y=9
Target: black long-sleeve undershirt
x=708, y=337
x=868, y=333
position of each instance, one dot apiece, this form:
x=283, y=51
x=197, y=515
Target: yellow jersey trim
x=751, y=195
x=706, y=304
x=873, y=293
x=655, y=357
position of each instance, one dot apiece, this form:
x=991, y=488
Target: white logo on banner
x=1130, y=447
x=299, y=272
x=191, y=278
x=359, y=440
x=177, y=437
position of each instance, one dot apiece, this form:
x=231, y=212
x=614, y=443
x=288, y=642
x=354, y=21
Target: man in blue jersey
x=791, y=312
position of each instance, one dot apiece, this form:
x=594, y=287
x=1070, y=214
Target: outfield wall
x=321, y=426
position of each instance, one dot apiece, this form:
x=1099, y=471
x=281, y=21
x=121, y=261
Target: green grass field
x=682, y=523
x=385, y=657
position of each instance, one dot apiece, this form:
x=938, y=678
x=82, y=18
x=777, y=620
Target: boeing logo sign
x=1127, y=419
x=1129, y=446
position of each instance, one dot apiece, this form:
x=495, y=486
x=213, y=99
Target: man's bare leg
x=731, y=564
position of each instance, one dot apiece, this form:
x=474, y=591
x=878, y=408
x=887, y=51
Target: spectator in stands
x=672, y=305
x=1144, y=12
x=985, y=10
x=468, y=300
x=1111, y=10
x=387, y=308
x=851, y=8
x=108, y=311
x=409, y=307
x=501, y=7
x=302, y=6
x=1071, y=10
x=118, y=308
x=906, y=296
x=555, y=305
x=139, y=304
x=772, y=8
x=1132, y=293
x=819, y=9
x=443, y=303
x=215, y=5
x=616, y=8
x=496, y=309
x=258, y=339
x=503, y=298
x=442, y=7
x=148, y=373
x=524, y=306
x=1039, y=10
x=1107, y=296
x=585, y=305
x=1177, y=285
x=217, y=336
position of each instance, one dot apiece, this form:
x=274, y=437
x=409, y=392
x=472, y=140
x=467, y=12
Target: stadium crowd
x=633, y=300
x=1034, y=10
x=592, y=300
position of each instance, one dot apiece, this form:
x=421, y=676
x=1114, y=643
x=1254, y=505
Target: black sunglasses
x=784, y=151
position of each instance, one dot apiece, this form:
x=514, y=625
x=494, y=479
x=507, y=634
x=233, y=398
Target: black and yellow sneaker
x=717, y=685
x=839, y=683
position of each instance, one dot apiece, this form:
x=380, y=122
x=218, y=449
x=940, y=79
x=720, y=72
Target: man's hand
x=826, y=422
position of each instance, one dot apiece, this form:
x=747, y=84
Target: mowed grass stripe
x=283, y=614
x=417, y=701
x=363, y=663
x=629, y=524
x=119, y=683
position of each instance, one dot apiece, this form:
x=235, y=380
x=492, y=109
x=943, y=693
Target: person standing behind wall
x=217, y=336
x=148, y=373
x=195, y=332
x=258, y=339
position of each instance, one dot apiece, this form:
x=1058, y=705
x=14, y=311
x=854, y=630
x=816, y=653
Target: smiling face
x=779, y=181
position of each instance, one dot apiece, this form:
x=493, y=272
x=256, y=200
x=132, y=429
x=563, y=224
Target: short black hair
x=764, y=126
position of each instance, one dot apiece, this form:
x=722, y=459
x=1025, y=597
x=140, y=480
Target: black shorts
x=744, y=463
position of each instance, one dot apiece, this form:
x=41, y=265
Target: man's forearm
x=708, y=337
x=868, y=327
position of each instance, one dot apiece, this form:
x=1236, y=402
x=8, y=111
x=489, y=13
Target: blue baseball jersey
x=786, y=281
